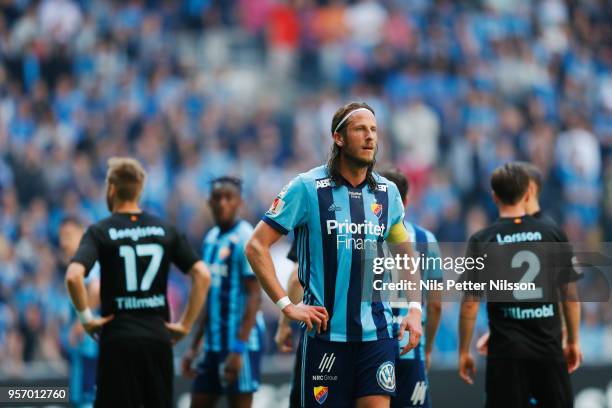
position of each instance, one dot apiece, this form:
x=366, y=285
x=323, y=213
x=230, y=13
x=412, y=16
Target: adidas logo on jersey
x=334, y=207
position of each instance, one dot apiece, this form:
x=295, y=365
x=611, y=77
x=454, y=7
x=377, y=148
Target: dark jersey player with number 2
x=135, y=250
x=525, y=360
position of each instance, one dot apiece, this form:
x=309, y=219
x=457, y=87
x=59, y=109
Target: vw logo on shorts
x=386, y=376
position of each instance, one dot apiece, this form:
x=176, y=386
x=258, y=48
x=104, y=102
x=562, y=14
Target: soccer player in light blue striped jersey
x=411, y=368
x=232, y=325
x=340, y=212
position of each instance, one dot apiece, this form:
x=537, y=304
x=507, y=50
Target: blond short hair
x=127, y=175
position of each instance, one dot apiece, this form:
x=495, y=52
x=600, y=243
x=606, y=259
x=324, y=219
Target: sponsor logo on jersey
x=132, y=302
x=381, y=187
x=520, y=313
x=519, y=237
x=326, y=182
x=327, y=362
x=277, y=206
x=354, y=194
x=136, y=233
x=385, y=376
x=419, y=393
x=377, y=209
x=320, y=393
x=364, y=228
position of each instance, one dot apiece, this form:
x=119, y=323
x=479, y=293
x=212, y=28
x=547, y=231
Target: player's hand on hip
x=467, y=368
x=94, y=326
x=187, y=363
x=311, y=315
x=233, y=364
x=412, y=324
x=177, y=331
x=283, y=338
x=573, y=356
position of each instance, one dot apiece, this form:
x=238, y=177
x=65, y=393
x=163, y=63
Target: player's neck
x=511, y=211
x=352, y=173
x=126, y=207
x=227, y=225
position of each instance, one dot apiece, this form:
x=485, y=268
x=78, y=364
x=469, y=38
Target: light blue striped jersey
x=223, y=253
x=336, y=227
x=425, y=246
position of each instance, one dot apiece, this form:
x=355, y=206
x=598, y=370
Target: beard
x=359, y=161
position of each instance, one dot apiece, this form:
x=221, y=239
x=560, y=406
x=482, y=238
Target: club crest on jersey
x=277, y=206
x=385, y=376
x=320, y=393
x=224, y=252
x=377, y=209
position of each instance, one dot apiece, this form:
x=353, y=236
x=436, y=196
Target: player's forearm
x=75, y=283
x=199, y=331
x=200, y=282
x=571, y=310
x=294, y=287
x=434, y=311
x=467, y=321
x=250, y=314
x=294, y=291
x=260, y=260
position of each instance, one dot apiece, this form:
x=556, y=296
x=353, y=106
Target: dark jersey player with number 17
x=135, y=250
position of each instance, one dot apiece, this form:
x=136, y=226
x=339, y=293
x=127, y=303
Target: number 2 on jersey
x=533, y=269
x=155, y=251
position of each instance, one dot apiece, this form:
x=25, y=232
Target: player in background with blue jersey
x=411, y=368
x=82, y=349
x=339, y=212
x=231, y=324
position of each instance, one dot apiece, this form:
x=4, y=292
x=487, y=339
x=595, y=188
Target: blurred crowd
x=201, y=88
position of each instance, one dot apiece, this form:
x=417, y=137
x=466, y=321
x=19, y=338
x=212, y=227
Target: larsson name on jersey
x=136, y=233
x=519, y=237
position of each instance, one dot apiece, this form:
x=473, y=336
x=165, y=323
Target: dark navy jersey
x=134, y=252
x=524, y=323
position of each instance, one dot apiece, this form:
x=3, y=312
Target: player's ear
x=338, y=139
x=495, y=198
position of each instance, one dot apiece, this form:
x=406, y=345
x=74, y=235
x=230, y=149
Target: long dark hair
x=333, y=162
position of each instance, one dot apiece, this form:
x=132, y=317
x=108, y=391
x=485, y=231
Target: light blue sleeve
x=433, y=251
x=396, y=206
x=290, y=207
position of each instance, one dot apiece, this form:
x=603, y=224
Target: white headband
x=348, y=115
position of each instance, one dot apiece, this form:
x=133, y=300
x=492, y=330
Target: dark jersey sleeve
x=87, y=253
x=565, y=265
x=184, y=257
x=292, y=254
